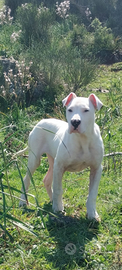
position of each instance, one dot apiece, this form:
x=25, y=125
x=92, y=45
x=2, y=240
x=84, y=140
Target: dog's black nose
x=75, y=123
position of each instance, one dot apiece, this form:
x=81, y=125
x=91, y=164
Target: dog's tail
x=19, y=153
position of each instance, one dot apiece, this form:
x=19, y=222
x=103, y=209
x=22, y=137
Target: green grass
x=70, y=241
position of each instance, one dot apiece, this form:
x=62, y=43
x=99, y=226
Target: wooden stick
x=113, y=154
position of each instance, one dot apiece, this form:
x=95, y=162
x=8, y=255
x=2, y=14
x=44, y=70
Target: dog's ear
x=95, y=101
x=68, y=99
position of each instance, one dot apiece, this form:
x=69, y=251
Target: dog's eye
x=69, y=110
x=86, y=110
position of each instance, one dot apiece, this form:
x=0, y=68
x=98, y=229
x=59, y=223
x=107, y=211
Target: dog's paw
x=57, y=207
x=93, y=216
x=23, y=203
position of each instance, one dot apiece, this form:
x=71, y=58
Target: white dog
x=71, y=146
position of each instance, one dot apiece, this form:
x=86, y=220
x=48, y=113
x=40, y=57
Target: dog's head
x=80, y=112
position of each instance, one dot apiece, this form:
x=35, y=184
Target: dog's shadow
x=70, y=234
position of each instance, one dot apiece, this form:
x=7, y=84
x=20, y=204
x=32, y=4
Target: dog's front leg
x=26, y=184
x=95, y=175
x=57, y=187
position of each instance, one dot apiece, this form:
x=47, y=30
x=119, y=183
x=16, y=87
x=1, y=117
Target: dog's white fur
x=70, y=146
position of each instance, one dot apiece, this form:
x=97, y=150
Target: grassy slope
x=97, y=246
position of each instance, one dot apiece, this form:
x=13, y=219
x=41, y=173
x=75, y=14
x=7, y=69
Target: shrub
x=5, y=17
x=18, y=85
x=37, y=23
x=62, y=54
x=14, y=4
x=78, y=70
x=83, y=40
x=104, y=44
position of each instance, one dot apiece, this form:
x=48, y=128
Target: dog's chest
x=79, y=159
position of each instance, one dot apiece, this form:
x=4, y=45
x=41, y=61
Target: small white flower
x=62, y=9
x=5, y=15
x=3, y=93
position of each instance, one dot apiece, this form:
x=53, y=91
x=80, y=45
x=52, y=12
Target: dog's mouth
x=74, y=130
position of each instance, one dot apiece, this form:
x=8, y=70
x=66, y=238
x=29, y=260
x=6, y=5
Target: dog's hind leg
x=33, y=164
x=49, y=177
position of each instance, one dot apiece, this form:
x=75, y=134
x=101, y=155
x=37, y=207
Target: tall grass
x=7, y=210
